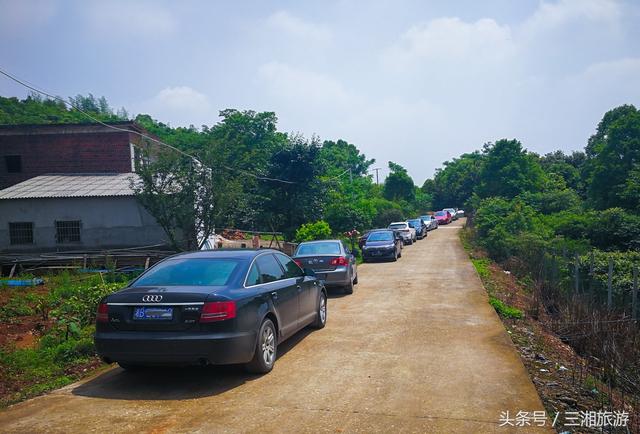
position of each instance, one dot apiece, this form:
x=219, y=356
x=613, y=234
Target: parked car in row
x=210, y=307
x=419, y=226
x=331, y=260
x=453, y=212
x=430, y=221
x=460, y=213
x=443, y=217
x=382, y=244
x=408, y=233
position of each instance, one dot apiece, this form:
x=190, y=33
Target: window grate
x=21, y=233
x=68, y=231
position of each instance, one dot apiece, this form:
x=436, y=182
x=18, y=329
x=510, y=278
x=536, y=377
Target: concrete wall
x=107, y=222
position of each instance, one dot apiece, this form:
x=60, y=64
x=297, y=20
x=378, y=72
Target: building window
x=21, y=233
x=68, y=231
x=13, y=163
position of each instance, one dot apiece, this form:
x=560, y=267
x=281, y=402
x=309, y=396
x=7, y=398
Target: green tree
x=508, y=170
x=287, y=205
x=455, y=183
x=187, y=199
x=398, y=185
x=613, y=159
x=319, y=230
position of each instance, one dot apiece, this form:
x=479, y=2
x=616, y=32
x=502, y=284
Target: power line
x=144, y=136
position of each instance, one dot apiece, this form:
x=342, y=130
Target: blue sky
x=415, y=82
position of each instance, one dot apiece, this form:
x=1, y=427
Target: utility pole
x=377, y=169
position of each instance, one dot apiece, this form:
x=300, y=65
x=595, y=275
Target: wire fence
x=590, y=299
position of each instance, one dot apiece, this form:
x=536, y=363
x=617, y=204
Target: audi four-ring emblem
x=151, y=298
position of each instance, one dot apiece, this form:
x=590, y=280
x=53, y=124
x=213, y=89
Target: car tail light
x=340, y=260
x=218, y=311
x=102, y=315
x=299, y=262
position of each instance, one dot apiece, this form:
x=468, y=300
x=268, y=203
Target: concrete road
x=416, y=348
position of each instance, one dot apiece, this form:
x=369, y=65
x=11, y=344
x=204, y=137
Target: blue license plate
x=153, y=313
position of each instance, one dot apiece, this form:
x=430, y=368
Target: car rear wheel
x=349, y=288
x=321, y=318
x=355, y=280
x=266, y=349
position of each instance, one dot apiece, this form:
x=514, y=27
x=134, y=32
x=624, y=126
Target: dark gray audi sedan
x=210, y=307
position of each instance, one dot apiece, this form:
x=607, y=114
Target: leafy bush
x=387, y=216
x=615, y=229
x=482, y=267
x=313, y=231
x=504, y=310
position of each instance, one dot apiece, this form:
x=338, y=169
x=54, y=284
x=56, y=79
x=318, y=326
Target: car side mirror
x=309, y=272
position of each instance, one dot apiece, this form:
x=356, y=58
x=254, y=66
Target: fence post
x=577, y=274
x=610, y=284
x=634, y=295
x=592, y=266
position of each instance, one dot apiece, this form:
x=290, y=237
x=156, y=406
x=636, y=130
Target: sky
x=414, y=82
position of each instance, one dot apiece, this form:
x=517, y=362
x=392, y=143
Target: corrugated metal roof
x=71, y=185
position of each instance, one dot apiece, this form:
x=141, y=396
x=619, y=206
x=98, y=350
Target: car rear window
x=380, y=236
x=398, y=226
x=414, y=223
x=329, y=248
x=189, y=272
x=441, y=213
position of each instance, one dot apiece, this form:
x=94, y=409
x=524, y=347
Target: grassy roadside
x=46, y=333
x=564, y=380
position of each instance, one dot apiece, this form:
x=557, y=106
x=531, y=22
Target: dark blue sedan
x=210, y=307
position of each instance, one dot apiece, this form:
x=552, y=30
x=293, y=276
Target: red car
x=443, y=217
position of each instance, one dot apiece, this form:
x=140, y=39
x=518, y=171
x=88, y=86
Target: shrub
x=387, y=216
x=504, y=310
x=313, y=231
x=482, y=267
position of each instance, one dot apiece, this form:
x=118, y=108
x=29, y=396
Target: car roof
x=320, y=241
x=224, y=254
x=398, y=223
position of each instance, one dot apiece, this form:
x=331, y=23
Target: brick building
x=68, y=187
x=27, y=151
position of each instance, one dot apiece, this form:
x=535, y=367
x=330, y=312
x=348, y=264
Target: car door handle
x=299, y=288
x=274, y=294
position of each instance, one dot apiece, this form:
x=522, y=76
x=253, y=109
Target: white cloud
x=20, y=17
x=451, y=40
x=294, y=26
x=303, y=87
x=123, y=19
x=554, y=15
x=182, y=105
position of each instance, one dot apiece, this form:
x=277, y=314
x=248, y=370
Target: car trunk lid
x=318, y=262
x=157, y=308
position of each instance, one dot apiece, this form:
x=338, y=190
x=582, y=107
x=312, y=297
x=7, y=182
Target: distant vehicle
x=382, y=244
x=419, y=226
x=430, y=221
x=215, y=307
x=443, y=217
x=332, y=262
x=362, y=240
x=453, y=213
x=460, y=213
x=408, y=233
